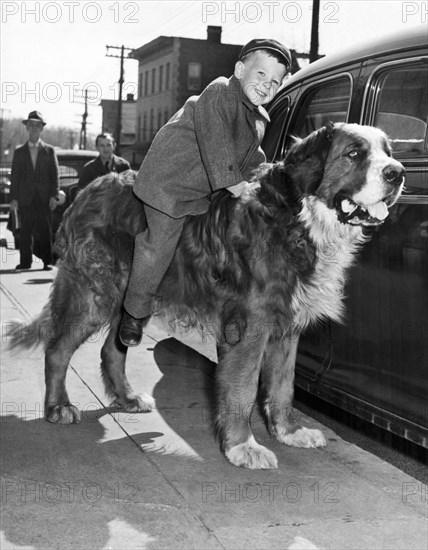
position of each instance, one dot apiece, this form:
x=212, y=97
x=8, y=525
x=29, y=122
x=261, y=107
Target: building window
x=167, y=75
x=153, y=80
x=166, y=116
x=145, y=127
x=146, y=83
x=140, y=85
x=152, y=123
x=194, y=76
x=139, y=128
x=160, y=77
x=159, y=119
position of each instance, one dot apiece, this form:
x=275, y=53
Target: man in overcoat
x=34, y=192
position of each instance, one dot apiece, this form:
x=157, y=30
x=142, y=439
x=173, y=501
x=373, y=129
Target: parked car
x=5, y=172
x=376, y=364
x=70, y=162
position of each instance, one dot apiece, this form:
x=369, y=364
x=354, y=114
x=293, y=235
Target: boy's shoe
x=131, y=330
x=47, y=267
x=23, y=266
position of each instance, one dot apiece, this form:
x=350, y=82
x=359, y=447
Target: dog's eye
x=353, y=154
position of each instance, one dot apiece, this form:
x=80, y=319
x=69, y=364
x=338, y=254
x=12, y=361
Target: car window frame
x=306, y=89
x=284, y=111
x=413, y=164
x=372, y=91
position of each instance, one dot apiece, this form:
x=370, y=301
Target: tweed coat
x=26, y=179
x=211, y=143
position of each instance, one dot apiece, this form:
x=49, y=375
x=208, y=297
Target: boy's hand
x=249, y=189
x=236, y=190
x=243, y=189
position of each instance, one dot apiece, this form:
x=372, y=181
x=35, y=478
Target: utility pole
x=2, y=110
x=314, y=31
x=84, y=123
x=1, y=136
x=82, y=140
x=119, y=102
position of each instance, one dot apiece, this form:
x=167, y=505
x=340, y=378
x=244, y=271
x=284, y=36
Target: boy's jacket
x=211, y=143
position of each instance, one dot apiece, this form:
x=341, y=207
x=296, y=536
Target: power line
x=82, y=136
x=121, y=80
x=180, y=11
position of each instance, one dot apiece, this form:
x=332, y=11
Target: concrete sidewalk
x=159, y=480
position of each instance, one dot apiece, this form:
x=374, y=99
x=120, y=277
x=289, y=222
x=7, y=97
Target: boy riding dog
x=211, y=143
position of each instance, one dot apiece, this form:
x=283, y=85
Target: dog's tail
x=28, y=335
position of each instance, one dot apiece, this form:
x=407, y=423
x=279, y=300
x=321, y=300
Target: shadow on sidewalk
x=68, y=486
x=186, y=374
x=26, y=271
x=185, y=397
x=39, y=281
x=63, y=487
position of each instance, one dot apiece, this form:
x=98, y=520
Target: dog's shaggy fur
x=259, y=269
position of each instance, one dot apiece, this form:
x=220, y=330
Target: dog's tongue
x=379, y=211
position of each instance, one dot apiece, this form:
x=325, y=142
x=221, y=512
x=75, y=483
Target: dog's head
x=350, y=169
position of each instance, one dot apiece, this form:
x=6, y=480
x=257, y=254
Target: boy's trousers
x=153, y=252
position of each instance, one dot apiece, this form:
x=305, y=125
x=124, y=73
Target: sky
x=52, y=50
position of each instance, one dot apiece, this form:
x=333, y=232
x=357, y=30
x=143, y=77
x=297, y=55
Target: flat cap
x=267, y=44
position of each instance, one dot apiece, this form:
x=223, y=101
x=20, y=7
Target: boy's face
x=260, y=76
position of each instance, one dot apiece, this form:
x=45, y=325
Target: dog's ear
x=306, y=159
x=316, y=144
x=277, y=188
x=329, y=129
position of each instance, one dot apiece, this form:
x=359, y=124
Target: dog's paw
x=303, y=437
x=252, y=455
x=135, y=404
x=63, y=414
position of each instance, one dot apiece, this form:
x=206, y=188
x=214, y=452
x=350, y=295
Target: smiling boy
x=211, y=143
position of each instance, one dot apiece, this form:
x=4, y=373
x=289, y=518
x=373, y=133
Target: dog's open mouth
x=352, y=213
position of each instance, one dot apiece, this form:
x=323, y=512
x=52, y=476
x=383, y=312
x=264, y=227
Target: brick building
x=170, y=70
x=129, y=116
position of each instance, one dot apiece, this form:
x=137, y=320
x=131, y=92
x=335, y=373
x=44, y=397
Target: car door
x=297, y=111
x=323, y=99
x=380, y=355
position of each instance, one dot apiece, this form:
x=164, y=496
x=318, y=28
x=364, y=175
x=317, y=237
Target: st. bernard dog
x=253, y=267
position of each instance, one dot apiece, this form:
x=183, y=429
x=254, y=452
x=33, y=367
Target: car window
x=275, y=135
x=401, y=108
x=68, y=172
x=326, y=102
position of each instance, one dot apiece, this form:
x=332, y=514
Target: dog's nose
x=394, y=174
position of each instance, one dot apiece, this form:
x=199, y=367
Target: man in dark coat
x=212, y=143
x=34, y=192
x=106, y=162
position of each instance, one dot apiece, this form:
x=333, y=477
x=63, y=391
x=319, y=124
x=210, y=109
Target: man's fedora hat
x=267, y=44
x=36, y=116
